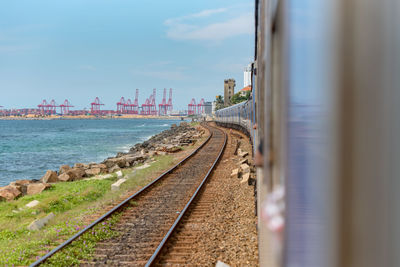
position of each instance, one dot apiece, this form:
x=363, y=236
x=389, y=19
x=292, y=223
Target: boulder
x=39, y=223
x=173, y=149
x=111, y=162
x=65, y=177
x=50, y=177
x=134, y=159
x=63, y=169
x=37, y=188
x=22, y=184
x=93, y=171
x=152, y=153
x=76, y=173
x=10, y=192
x=79, y=165
x=115, y=186
x=103, y=167
x=114, y=169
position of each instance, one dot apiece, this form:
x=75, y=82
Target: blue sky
x=82, y=49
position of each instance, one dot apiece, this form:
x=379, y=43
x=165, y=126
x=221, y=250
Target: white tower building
x=247, y=76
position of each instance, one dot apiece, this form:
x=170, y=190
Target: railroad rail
x=145, y=226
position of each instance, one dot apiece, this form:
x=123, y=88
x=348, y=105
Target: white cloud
x=201, y=14
x=189, y=28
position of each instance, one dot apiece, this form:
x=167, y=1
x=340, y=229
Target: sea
x=30, y=147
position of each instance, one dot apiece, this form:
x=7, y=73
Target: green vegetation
x=238, y=98
x=71, y=203
x=83, y=247
x=219, y=102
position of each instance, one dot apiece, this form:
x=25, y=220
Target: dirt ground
x=229, y=232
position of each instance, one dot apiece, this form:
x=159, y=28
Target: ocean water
x=30, y=147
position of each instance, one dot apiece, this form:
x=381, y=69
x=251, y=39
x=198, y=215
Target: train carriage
x=325, y=98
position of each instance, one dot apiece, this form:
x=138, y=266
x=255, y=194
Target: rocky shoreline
x=168, y=141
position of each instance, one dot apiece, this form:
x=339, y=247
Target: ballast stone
x=243, y=154
x=235, y=173
x=245, y=168
x=221, y=264
x=243, y=161
x=245, y=178
x=40, y=223
x=115, y=186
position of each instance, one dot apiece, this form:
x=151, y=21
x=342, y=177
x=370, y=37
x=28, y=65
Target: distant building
x=229, y=91
x=247, y=76
x=245, y=90
x=208, y=108
x=214, y=105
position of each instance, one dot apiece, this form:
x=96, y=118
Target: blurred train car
x=326, y=101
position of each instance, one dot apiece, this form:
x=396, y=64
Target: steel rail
x=184, y=210
x=118, y=207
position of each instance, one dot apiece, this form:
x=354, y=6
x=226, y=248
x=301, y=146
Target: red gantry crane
x=135, y=106
x=65, y=107
x=146, y=107
x=95, y=107
x=121, y=106
x=163, y=107
x=129, y=107
x=149, y=107
x=169, y=105
x=153, y=107
x=43, y=107
x=192, y=107
x=53, y=107
x=200, y=107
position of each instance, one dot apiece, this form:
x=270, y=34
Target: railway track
x=195, y=242
x=146, y=225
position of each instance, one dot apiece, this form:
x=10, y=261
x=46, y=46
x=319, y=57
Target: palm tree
x=219, y=102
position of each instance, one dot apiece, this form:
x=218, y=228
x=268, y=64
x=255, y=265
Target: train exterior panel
x=239, y=116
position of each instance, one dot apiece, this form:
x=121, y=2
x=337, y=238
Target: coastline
x=166, y=142
x=70, y=206
x=91, y=117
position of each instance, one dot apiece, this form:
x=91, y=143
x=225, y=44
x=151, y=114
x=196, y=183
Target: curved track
x=145, y=226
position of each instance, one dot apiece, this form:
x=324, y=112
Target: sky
x=78, y=50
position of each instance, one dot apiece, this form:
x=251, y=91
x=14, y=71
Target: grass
x=71, y=203
x=83, y=247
